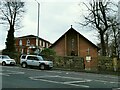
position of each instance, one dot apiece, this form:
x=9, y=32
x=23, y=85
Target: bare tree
x=115, y=32
x=98, y=17
x=11, y=14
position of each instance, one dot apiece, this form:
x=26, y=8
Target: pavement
x=17, y=77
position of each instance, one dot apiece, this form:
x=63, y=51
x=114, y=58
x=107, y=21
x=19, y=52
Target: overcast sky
x=56, y=17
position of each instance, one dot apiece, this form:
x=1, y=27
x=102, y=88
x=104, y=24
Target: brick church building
x=72, y=43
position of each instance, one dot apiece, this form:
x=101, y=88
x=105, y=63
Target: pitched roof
x=31, y=36
x=72, y=29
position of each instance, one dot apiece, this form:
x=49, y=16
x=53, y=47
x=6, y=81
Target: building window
x=22, y=51
x=72, y=44
x=46, y=45
x=40, y=42
x=88, y=51
x=28, y=51
x=28, y=42
x=43, y=44
x=20, y=42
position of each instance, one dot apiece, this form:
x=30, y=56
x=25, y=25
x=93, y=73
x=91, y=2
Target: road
x=17, y=77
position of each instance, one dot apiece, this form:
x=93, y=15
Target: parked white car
x=6, y=60
x=36, y=61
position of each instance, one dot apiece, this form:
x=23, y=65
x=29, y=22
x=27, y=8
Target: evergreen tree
x=12, y=12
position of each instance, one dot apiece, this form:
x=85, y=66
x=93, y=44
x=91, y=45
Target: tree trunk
x=103, y=47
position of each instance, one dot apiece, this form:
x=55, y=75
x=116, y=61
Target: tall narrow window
x=46, y=45
x=88, y=51
x=20, y=42
x=43, y=44
x=28, y=51
x=40, y=42
x=73, y=47
x=72, y=44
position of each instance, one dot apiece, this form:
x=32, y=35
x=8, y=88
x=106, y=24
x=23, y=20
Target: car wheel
x=42, y=67
x=3, y=63
x=24, y=65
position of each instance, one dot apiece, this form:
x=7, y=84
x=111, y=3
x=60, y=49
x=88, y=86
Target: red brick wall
x=24, y=43
x=60, y=47
x=84, y=45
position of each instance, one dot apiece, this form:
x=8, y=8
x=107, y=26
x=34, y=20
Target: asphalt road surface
x=17, y=77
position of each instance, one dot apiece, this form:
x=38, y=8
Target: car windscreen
x=5, y=57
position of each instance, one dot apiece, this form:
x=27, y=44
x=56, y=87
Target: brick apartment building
x=28, y=44
x=72, y=43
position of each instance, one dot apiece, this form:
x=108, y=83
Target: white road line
x=54, y=71
x=105, y=81
x=31, y=69
x=85, y=86
x=14, y=71
x=11, y=72
x=114, y=77
x=60, y=77
x=4, y=74
x=1, y=70
x=43, y=76
x=73, y=82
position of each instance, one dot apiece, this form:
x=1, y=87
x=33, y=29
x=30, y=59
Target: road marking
x=74, y=82
x=1, y=70
x=60, y=82
x=105, y=81
x=85, y=86
x=4, y=74
x=14, y=72
x=54, y=71
x=10, y=72
x=113, y=77
x=59, y=77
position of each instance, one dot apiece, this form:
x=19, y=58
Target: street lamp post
x=119, y=30
x=38, y=18
x=38, y=26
